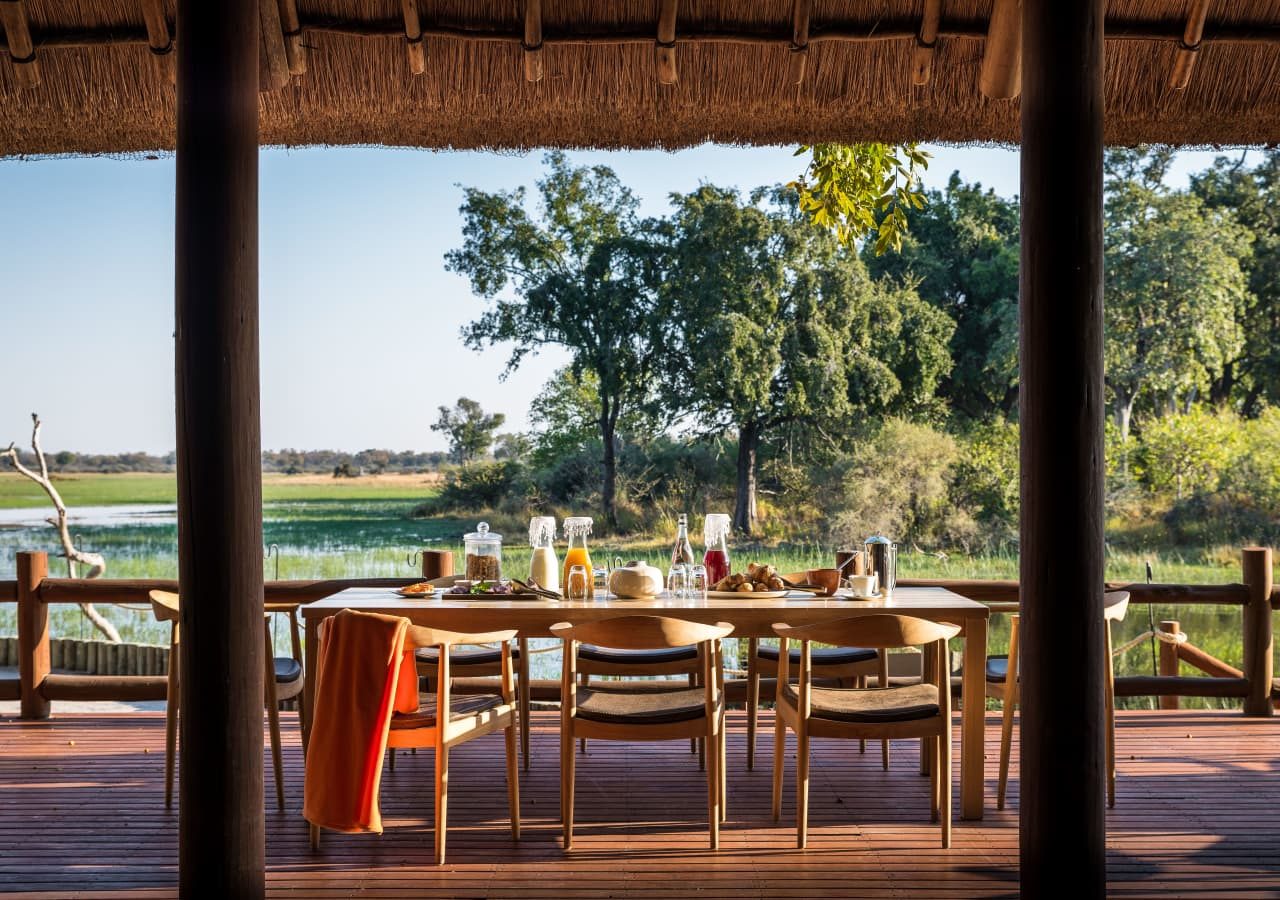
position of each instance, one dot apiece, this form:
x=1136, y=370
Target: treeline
x=730, y=354
x=290, y=462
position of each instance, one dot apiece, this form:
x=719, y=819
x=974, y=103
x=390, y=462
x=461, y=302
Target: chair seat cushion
x=997, y=668
x=641, y=708
x=288, y=669
x=459, y=708
x=821, y=656
x=872, y=705
x=479, y=656
x=636, y=657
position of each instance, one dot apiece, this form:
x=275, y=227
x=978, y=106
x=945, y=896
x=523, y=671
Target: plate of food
x=759, y=582
x=492, y=590
x=419, y=591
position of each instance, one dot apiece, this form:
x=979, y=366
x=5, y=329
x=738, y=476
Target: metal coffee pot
x=882, y=561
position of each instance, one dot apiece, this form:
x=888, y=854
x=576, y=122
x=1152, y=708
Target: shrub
x=1189, y=453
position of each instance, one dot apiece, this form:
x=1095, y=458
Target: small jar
x=484, y=554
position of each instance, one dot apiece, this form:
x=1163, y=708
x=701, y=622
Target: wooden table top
x=751, y=617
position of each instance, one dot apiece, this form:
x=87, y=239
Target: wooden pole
x=664, y=52
x=1189, y=46
x=22, y=53
x=532, y=43
x=33, y=635
x=1001, y=74
x=221, y=847
x=1258, y=646
x=1063, y=768
x=926, y=42
x=1169, y=662
x=159, y=38
x=413, y=36
x=293, y=45
x=800, y=11
x=273, y=61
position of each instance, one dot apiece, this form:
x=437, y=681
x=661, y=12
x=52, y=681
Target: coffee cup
x=862, y=585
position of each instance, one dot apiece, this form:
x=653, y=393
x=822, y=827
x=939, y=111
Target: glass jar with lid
x=544, y=568
x=484, y=554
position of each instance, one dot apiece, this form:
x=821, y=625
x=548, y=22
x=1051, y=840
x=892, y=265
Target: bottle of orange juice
x=576, y=529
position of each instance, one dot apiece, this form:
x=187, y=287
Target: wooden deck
x=82, y=815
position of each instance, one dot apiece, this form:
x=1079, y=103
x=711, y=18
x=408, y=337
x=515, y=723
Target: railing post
x=1169, y=662
x=1256, y=567
x=33, y=634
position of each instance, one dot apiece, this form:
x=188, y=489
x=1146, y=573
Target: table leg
x=523, y=674
x=312, y=648
x=973, y=718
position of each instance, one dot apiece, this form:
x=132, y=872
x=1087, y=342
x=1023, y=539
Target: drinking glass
x=677, y=581
x=696, y=589
x=601, y=576
x=578, y=588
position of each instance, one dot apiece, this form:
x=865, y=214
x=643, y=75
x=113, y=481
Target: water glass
x=578, y=587
x=696, y=589
x=677, y=581
x=601, y=577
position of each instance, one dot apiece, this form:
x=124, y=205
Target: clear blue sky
x=360, y=320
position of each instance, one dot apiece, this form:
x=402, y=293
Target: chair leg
x=273, y=719
x=171, y=725
x=693, y=683
x=779, y=748
x=522, y=697
x=391, y=754
x=722, y=740
x=753, y=701
x=883, y=675
x=943, y=762
x=314, y=833
x=1006, y=741
x=1109, y=702
x=713, y=787
x=582, y=744
x=442, y=800
x=860, y=683
x=802, y=787
x=568, y=763
x=934, y=787
x=513, y=781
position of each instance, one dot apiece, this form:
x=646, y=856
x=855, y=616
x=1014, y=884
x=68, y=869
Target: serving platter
x=754, y=595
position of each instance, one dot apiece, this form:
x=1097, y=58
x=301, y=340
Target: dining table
x=751, y=617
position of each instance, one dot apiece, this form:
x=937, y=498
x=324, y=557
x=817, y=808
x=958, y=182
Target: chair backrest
x=880, y=630
x=1114, y=605
x=641, y=632
x=164, y=605
x=422, y=636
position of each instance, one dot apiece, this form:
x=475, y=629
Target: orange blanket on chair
x=363, y=675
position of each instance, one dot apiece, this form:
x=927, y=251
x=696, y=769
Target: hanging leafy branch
x=862, y=191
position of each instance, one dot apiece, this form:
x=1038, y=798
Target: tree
x=1173, y=286
x=469, y=429
x=582, y=275
x=962, y=253
x=777, y=323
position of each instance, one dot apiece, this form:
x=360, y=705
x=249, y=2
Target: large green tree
x=774, y=322
x=468, y=428
x=1173, y=286
x=962, y=251
x=580, y=274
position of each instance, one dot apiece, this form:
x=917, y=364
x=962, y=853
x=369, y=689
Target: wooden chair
x=841, y=663
x=470, y=716
x=631, y=714
x=912, y=711
x=1003, y=685
x=482, y=662
x=282, y=680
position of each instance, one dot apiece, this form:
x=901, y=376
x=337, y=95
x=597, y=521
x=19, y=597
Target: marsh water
x=353, y=538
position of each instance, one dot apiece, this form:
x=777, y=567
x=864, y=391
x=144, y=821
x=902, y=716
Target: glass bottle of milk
x=544, y=569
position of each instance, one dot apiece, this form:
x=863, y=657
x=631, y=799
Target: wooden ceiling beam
x=293, y=46
x=413, y=34
x=22, y=53
x=1189, y=46
x=532, y=42
x=665, y=51
x=926, y=42
x=1001, y=75
x=800, y=12
x=159, y=38
x=273, y=60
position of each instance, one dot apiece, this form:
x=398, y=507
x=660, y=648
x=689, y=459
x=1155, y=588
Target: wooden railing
x=36, y=685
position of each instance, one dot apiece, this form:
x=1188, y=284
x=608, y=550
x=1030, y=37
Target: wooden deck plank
x=82, y=816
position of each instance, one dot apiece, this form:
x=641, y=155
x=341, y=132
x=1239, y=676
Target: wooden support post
x=1258, y=664
x=33, y=635
x=926, y=43
x=664, y=53
x=273, y=61
x=17, y=33
x=1001, y=75
x=221, y=835
x=1169, y=663
x=292, y=26
x=1061, y=403
x=1189, y=46
x=800, y=11
x=437, y=563
x=532, y=43
x=159, y=38
x=413, y=37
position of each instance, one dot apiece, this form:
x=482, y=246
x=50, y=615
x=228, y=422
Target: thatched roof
x=102, y=89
